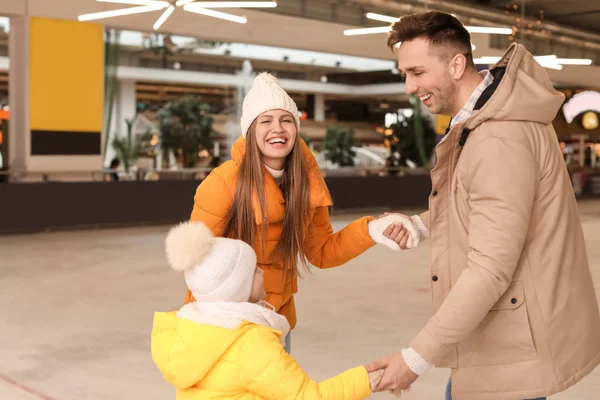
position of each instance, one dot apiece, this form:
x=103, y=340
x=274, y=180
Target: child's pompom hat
x=215, y=269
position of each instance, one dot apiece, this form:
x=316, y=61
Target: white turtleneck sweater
x=278, y=175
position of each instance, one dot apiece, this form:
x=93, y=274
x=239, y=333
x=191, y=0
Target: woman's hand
x=399, y=234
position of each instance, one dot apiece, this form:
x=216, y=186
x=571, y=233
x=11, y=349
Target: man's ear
x=458, y=65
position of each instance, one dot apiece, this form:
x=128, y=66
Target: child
x=228, y=344
x=272, y=196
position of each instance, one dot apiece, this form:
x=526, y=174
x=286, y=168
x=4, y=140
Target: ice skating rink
x=77, y=313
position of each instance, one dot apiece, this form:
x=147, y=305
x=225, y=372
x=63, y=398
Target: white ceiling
x=245, y=51
x=15, y=7
x=262, y=28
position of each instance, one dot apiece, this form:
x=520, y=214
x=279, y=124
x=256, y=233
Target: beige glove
x=378, y=226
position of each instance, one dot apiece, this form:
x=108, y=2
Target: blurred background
x=149, y=92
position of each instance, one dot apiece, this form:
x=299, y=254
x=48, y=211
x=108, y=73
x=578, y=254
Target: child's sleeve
x=327, y=249
x=271, y=373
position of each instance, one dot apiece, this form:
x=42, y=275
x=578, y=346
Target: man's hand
x=397, y=375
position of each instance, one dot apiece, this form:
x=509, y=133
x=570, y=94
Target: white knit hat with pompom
x=215, y=269
x=266, y=94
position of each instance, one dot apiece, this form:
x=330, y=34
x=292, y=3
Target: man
x=515, y=311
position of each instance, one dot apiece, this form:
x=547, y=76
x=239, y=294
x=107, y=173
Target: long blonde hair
x=240, y=222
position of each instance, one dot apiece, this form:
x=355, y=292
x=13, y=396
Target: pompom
x=266, y=77
x=188, y=244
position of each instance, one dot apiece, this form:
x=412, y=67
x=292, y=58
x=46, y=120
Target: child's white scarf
x=231, y=315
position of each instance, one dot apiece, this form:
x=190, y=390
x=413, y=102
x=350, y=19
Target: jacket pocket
x=504, y=336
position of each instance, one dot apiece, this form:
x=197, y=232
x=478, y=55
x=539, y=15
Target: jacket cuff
x=414, y=361
x=421, y=228
x=366, y=239
x=360, y=380
x=430, y=348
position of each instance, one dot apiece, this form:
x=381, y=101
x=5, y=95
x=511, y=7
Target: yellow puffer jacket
x=248, y=363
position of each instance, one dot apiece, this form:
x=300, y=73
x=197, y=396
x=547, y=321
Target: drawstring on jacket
x=463, y=136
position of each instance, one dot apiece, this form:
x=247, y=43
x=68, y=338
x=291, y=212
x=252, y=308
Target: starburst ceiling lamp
x=198, y=7
x=391, y=20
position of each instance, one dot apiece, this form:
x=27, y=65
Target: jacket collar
x=319, y=194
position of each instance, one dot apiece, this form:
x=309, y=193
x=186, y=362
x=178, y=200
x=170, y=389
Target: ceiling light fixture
x=574, y=61
x=164, y=17
x=490, y=30
x=382, y=18
x=137, y=2
x=486, y=60
x=553, y=60
x=550, y=62
x=391, y=20
x=204, y=8
x=233, y=4
x=367, y=31
x=121, y=12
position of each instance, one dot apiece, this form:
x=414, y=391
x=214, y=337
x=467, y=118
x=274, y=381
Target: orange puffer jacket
x=326, y=249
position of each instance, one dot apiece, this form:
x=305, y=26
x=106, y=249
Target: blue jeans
x=449, y=392
x=288, y=343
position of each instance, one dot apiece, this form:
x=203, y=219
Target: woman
x=272, y=196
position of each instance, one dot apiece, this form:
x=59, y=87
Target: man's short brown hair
x=440, y=29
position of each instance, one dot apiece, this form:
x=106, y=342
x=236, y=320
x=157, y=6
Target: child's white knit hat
x=266, y=94
x=215, y=269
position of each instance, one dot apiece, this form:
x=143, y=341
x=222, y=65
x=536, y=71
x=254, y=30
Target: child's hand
x=375, y=378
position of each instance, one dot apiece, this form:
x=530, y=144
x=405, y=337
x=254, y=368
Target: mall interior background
x=92, y=102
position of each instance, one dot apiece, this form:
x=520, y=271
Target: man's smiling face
x=428, y=75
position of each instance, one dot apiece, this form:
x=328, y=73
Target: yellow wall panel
x=441, y=123
x=66, y=75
